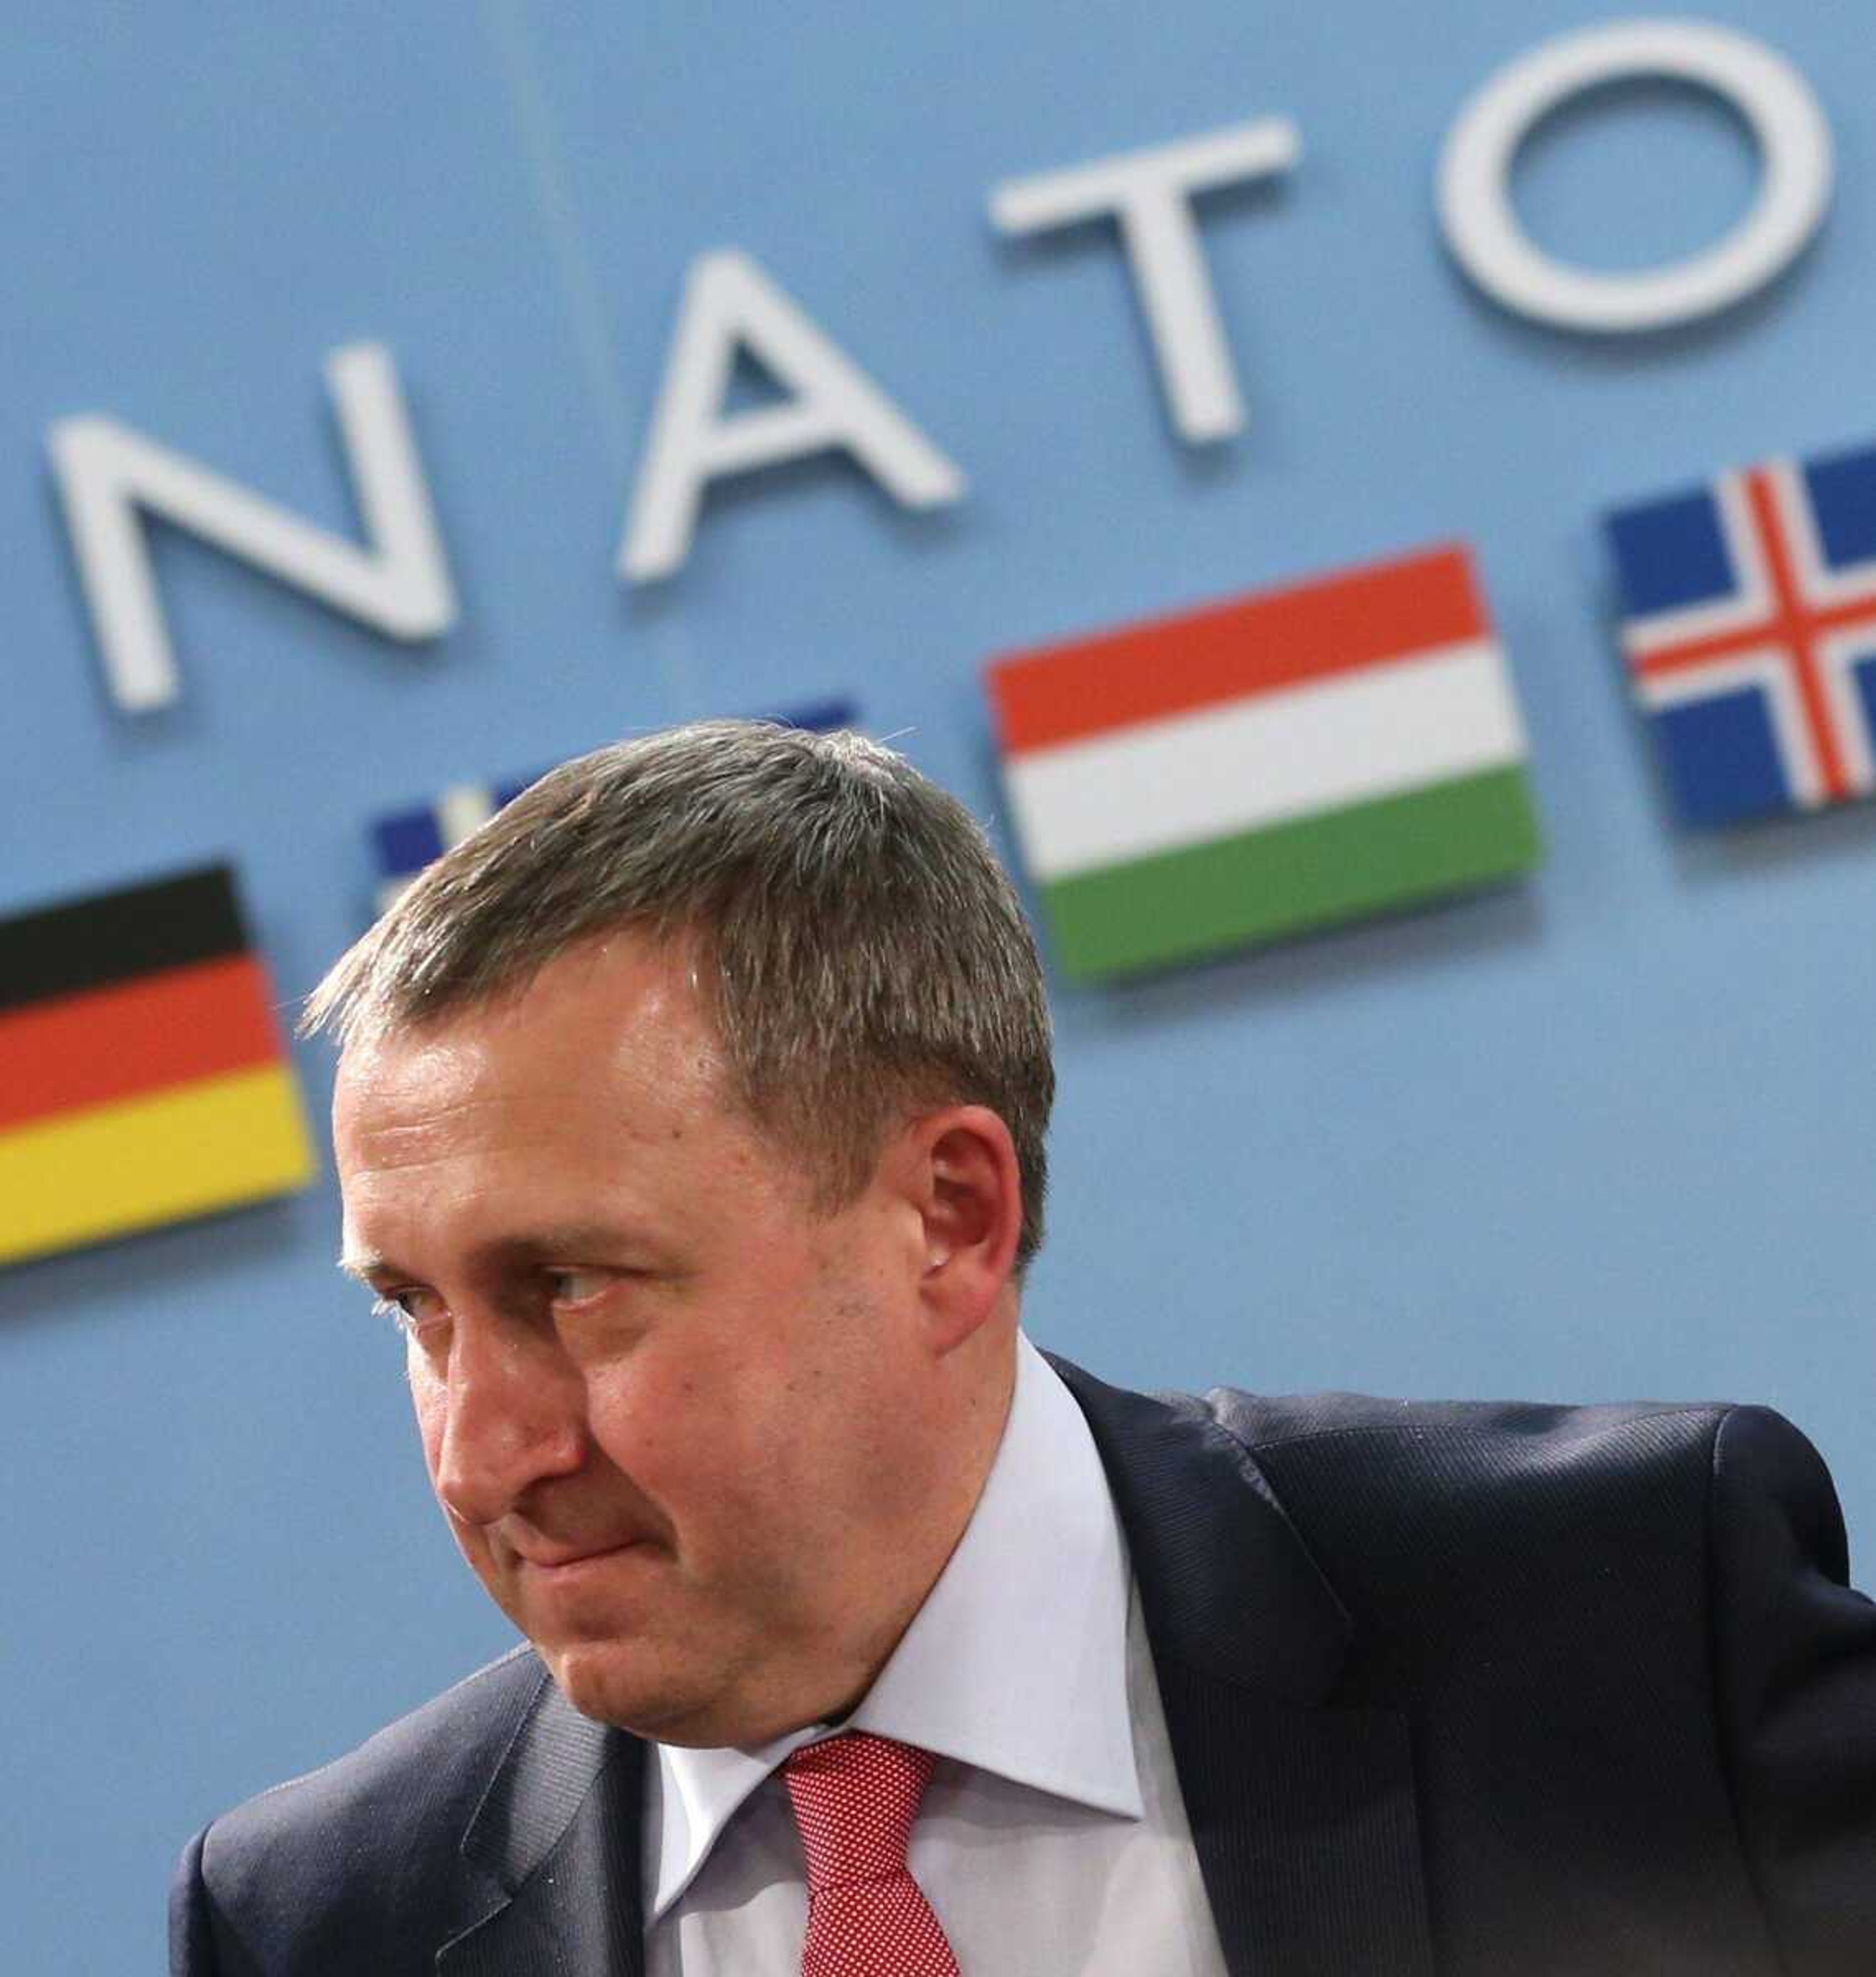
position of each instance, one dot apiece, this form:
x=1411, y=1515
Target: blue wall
x=1608, y=1135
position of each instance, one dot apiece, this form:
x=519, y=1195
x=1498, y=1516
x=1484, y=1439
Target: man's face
x=664, y=1404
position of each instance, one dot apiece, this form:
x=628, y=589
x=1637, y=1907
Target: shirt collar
x=1016, y=1663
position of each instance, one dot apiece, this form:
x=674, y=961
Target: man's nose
x=514, y=1416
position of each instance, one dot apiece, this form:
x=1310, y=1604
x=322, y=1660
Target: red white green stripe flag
x=1280, y=761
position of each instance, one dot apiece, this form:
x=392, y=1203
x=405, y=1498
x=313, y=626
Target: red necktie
x=856, y=1797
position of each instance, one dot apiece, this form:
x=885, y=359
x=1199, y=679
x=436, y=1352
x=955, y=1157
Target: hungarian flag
x=1284, y=760
x=142, y=1078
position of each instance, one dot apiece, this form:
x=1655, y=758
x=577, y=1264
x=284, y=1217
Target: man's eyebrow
x=588, y=1240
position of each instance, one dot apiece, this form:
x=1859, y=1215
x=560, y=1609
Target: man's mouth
x=564, y=1558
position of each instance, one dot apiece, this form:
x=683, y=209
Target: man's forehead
x=489, y=1132
x=614, y=1001
x=556, y=1090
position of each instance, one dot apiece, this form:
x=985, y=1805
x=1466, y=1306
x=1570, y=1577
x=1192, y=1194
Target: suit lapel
x=1302, y=1812
x=558, y=1831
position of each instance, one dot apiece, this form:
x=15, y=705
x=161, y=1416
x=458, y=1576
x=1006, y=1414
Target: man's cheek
x=428, y=1403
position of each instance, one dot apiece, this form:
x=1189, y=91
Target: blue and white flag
x=407, y=841
x=1750, y=628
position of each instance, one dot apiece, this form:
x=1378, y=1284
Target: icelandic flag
x=407, y=841
x=1749, y=625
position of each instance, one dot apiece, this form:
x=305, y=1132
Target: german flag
x=142, y=1078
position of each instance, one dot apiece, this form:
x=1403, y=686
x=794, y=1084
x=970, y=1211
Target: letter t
x=1150, y=192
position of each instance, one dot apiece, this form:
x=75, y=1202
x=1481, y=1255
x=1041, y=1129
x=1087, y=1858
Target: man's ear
x=962, y=1176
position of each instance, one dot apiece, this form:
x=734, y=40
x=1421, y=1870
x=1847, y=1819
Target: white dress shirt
x=1053, y=1839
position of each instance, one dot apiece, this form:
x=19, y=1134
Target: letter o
x=1482, y=227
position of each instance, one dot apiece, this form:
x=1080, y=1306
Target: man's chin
x=613, y=1684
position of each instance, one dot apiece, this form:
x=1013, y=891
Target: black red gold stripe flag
x=144, y=1078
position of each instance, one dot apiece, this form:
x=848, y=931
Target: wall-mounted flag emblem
x=1282, y=761
x=1749, y=625
x=407, y=840
x=143, y=1077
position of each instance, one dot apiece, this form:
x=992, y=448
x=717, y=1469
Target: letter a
x=398, y=583
x=728, y=300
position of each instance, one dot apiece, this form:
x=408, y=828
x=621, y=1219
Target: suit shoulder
x=449, y=1732
x=1570, y=1478
x=1524, y=1496
x=1528, y=1549
x=379, y=1813
x=1537, y=1432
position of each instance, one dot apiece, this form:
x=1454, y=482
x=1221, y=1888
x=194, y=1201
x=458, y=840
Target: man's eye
x=409, y=1309
x=576, y=1286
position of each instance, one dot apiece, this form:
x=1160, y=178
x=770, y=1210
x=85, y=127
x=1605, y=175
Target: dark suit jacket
x=1481, y=1691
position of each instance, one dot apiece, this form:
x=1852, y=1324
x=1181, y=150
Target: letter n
x=108, y=475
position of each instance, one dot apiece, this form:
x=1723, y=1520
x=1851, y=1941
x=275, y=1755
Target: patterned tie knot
x=856, y=1797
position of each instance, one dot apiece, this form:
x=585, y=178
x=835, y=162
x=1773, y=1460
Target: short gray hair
x=861, y=951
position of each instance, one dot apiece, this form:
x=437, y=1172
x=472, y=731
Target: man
x=690, y=1117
